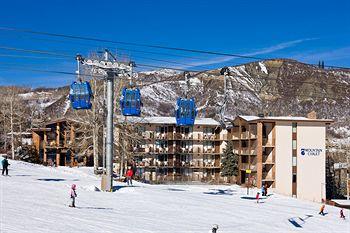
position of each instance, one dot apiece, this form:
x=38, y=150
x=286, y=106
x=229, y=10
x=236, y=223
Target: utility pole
x=109, y=129
x=347, y=175
x=225, y=72
x=11, y=121
x=110, y=70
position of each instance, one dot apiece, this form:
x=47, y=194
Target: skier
x=322, y=210
x=263, y=193
x=134, y=168
x=129, y=175
x=215, y=228
x=73, y=195
x=342, y=214
x=265, y=189
x=5, y=164
x=257, y=197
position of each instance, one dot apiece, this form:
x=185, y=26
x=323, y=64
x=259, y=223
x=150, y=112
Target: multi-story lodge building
x=170, y=153
x=286, y=153
x=52, y=142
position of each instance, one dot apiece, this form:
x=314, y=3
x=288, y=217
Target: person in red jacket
x=129, y=175
x=257, y=197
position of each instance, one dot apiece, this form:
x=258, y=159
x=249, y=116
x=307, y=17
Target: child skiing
x=322, y=210
x=257, y=197
x=129, y=175
x=342, y=214
x=73, y=195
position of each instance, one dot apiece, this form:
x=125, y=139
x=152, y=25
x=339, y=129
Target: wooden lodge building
x=52, y=142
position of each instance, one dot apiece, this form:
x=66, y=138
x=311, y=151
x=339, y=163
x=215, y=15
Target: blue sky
x=308, y=31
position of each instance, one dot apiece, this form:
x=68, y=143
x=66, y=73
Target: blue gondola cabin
x=186, y=112
x=80, y=95
x=130, y=102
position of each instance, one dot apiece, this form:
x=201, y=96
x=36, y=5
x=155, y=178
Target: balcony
x=235, y=136
x=245, y=135
x=245, y=151
x=267, y=159
x=267, y=142
x=208, y=150
x=267, y=176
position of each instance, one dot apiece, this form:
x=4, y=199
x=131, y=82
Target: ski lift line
x=140, y=44
x=70, y=56
x=47, y=71
x=35, y=51
x=167, y=61
x=165, y=67
x=119, y=48
x=23, y=56
x=127, y=43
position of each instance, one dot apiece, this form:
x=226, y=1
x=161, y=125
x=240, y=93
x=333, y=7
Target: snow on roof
x=167, y=120
x=342, y=201
x=282, y=118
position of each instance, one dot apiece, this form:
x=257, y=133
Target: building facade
x=171, y=153
x=285, y=153
x=52, y=142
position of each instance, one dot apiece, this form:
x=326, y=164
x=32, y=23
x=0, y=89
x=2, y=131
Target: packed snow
x=35, y=198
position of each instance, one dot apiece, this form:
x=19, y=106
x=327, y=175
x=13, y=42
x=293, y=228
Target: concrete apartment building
x=286, y=153
x=171, y=153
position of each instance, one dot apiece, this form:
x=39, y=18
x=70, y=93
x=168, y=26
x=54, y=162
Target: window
x=294, y=160
x=245, y=159
x=294, y=144
x=294, y=127
x=294, y=178
x=264, y=131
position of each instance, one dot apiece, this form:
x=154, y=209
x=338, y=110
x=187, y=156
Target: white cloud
x=331, y=55
x=222, y=59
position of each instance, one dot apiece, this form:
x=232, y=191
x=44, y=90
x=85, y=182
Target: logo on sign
x=310, y=152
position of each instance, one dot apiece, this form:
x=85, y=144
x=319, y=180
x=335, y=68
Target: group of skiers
x=323, y=206
x=263, y=193
x=128, y=178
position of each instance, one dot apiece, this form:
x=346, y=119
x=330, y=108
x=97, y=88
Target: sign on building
x=310, y=152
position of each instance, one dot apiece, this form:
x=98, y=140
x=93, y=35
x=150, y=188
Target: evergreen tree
x=229, y=160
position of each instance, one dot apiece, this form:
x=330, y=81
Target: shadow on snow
x=94, y=208
x=118, y=187
x=220, y=192
x=176, y=190
x=298, y=221
x=51, y=179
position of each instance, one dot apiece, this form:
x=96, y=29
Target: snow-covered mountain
x=277, y=87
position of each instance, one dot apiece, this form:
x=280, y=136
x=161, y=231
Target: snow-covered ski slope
x=35, y=199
